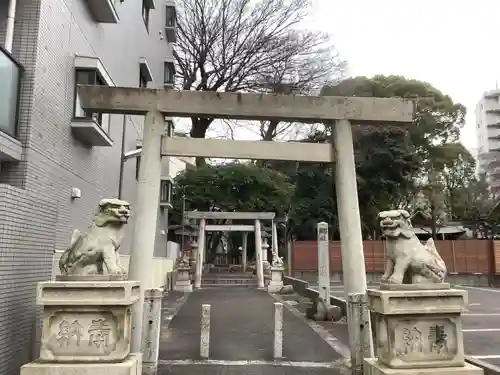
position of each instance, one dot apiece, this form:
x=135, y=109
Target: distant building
x=56, y=160
x=488, y=137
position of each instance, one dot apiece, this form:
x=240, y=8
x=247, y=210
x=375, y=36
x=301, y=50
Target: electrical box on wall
x=76, y=193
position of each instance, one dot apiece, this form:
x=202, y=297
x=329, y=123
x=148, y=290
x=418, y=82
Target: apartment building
x=57, y=161
x=488, y=137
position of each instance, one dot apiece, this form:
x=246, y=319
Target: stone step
x=227, y=276
x=230, y=286
x=229, y=281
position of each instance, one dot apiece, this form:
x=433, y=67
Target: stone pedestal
x=371, y=366
x=183, y=281
x=86, y=323
x=418, y=330
x=132, y=365
x=276, y=282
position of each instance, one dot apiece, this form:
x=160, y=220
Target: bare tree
x=250, y=46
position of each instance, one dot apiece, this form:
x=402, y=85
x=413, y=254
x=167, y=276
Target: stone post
x=323, y=262
x=146, y=216
x=275, y=238
x=350, y=236
x=205, y=331
x=264, y=249
x=200, y=255
x=266, y=266
x=151, y=331
x=258, y=255
x=244, y=252
x=278, y=330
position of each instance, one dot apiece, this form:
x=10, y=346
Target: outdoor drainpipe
x=122, y=159
x=9, y=31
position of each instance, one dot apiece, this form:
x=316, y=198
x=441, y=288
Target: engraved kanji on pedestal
x=86, y=321
x=418, y=330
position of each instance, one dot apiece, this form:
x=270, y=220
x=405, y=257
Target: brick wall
x=47, y=36
x=460, y=256
x=23, y=263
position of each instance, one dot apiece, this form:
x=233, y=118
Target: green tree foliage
x=390, y=161
x=438, y=118
x=393, y=164
x=231, y=187
x=386, y=163
x=455, y=169
x=240, y=187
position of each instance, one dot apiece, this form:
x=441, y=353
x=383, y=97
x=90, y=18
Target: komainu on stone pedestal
x=94, y=255
x=408, y=261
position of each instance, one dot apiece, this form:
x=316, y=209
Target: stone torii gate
x=202, y=216
x=338, y=112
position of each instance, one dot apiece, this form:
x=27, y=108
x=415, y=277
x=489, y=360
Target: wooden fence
x=460, y=256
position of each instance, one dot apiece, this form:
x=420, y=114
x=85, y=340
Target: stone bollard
x=278, y=330
x=151, y=330
x=205, y=332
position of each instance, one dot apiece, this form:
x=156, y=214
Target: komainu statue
x=96, y=252
x=408, y=261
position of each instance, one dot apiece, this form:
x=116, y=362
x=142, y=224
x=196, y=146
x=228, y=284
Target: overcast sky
x=449, y=43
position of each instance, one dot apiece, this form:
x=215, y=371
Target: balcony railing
x=10, y=82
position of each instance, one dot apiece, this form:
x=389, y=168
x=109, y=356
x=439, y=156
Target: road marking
x=493, y=356
x=171, y=362
x=481, y=314
x=482, y=330
x=474, y=304
x=478, y=288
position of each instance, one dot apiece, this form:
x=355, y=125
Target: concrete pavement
x=241, y=338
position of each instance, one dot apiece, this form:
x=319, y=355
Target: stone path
x=241, y=337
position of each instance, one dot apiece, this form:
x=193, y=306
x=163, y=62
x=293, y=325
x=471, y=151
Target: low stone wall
x=460, y=279
x=301, y=287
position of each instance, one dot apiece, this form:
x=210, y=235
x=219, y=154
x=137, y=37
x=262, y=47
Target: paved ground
x=481, y=323
x=242, y=327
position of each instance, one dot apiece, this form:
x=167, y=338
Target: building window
x=170, y=128
x=89, y=77
x=166, y=192
x=170, y=23
x=171, y=16
x=145, y=13
x=169, y=73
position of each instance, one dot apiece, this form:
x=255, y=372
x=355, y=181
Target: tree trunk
x=268, y=135
x=199, y=127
